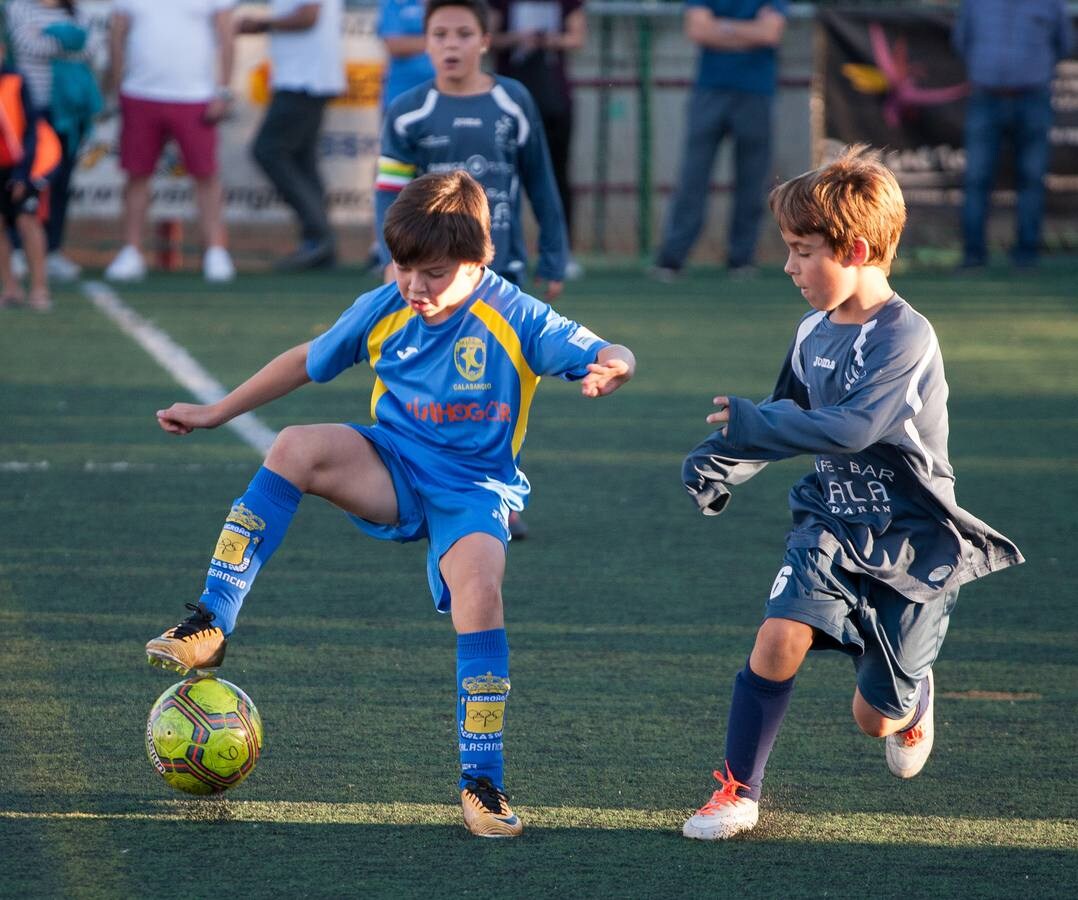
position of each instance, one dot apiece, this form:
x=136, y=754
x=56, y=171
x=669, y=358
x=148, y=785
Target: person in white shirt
x=166, y=94
x=307, y=72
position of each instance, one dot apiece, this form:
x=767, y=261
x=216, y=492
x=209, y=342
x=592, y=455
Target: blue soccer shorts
x=893, y=640
x=443, y=517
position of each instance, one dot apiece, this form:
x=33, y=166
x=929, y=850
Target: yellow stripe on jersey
x=505, y=335
x=387, y=326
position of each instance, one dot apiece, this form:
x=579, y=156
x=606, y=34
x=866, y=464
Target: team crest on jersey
x=470, y=357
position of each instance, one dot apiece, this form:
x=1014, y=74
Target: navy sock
x=922, y=704
x=255, y=527
x=482, y=689
x=756, y=713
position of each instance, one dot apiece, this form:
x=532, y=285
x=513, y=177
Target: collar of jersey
x=482, y=290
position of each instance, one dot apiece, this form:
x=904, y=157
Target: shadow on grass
x=201, y=859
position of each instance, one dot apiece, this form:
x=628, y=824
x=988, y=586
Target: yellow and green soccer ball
x=204, y=735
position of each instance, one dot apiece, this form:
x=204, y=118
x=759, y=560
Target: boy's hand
x=17, y=189
x=605, y=377
x=722, y=417
x=183, y=418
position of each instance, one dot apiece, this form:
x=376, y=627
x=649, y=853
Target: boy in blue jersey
x=400, y=26
x=485, y=124
x=879, y=546
x=457, y=353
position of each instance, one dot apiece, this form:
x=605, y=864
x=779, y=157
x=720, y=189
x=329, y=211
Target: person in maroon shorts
x=172, y=64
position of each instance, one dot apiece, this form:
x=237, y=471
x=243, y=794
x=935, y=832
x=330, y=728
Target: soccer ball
x=204, y=735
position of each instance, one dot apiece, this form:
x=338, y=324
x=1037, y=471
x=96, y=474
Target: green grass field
x=628, y=614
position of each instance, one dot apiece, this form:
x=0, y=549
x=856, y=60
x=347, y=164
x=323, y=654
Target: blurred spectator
x=29, y=152
x=307, y=72
x=487, y=124
x=1010, y=48
x=736, y=77
x=172, y=64
x=532, y=38
x=48, y=41
x=400, y=26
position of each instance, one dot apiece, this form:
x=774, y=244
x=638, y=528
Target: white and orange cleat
x=908, y=751
x=725, y=814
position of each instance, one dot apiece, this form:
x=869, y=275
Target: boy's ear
x=859, y=252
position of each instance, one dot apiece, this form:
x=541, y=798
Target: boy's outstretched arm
x=613, y=366
x=278, y=377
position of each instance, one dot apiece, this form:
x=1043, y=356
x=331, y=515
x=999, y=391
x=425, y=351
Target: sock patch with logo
x=255, y=527
x=482, y=690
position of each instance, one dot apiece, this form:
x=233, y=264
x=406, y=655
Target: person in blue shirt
x=1010, y=48
x=485, y=124
x=400, y=26
x=879, y=545
x=736, y=78
x=457, y=353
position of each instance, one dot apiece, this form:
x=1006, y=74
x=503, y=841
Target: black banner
x=890, y=78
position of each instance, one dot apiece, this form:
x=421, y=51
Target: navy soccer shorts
x=893, y=640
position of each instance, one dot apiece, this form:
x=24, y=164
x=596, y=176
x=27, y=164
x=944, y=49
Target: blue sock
x=253, y=530
x=922, y=704
x=756, y=713
x=482, y=688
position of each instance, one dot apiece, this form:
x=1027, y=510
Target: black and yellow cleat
x=196, y=643
x=518, y=528
x=486, y=810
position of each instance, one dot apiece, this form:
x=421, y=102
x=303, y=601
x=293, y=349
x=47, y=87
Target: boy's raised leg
x=253, y=530
x=332, y=461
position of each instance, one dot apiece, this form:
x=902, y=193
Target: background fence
x=631, y=82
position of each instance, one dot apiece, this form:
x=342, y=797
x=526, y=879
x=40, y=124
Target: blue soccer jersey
x=497, y=137
x=870, y=402
x=456, y=395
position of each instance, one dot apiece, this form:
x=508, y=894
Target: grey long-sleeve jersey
x=870, y=401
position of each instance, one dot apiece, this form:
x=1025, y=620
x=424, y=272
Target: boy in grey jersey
x=879, y=546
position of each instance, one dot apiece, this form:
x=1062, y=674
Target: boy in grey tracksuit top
x=879, y=546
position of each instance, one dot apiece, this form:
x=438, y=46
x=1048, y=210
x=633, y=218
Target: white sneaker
x=61, y=268
x=664, y=274
x=127, y=266
x=217, y=265
x=19, y=268
x=725, y=814
x=908, y=751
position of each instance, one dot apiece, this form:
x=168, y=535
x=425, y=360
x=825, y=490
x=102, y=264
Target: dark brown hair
x=440, y=216
x=854, y=196
x=478, y=7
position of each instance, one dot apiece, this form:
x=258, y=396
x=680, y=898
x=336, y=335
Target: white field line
x=175, y=360
x=873, y=828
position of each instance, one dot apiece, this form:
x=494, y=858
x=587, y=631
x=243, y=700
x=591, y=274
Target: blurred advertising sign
x=349, y=148
x=889, y=77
